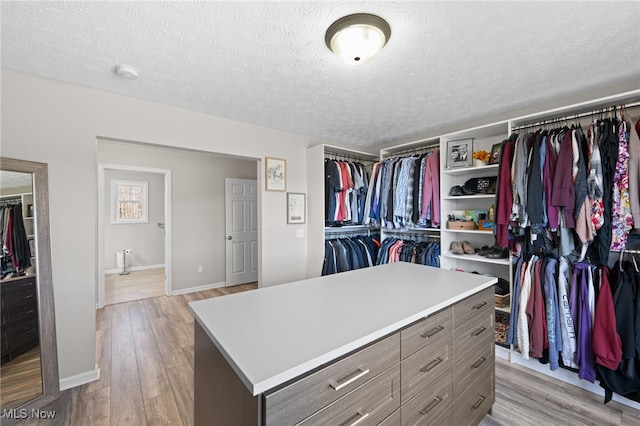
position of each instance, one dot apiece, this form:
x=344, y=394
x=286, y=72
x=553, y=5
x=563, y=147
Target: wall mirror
x=29, y=363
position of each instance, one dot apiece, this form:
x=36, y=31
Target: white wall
x=197, y=205
x=58, y=124
x=146, y=240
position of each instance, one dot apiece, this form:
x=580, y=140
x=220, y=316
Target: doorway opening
x=134, y=238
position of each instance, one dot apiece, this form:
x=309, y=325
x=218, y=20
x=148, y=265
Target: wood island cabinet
x=434, y=370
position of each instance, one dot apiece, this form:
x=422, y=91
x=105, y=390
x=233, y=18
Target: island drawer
x=432, y=330
x=473, y=307
x=475, y=401
x=468, y=369
x=478, y=335
x=425, y=366
x=432, y=405
x=369, y=404
x=302, y=398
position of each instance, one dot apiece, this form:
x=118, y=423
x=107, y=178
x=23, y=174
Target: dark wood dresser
x=19, y=312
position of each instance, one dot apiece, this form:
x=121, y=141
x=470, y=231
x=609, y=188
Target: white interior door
x=241, y=216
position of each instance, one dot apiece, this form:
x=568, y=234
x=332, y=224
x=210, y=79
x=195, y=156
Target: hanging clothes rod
x=423, y=149
x=11, y=202
x=404, y=235
x=577, y=116
x=337, y=156
x=347, y=234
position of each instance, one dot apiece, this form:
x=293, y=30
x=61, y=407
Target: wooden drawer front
x=25, y=297
x=423, y=367
x=304, y=397
x=392, y=420
x=20, y=314
x=9, y=287
x=369, y=404
x=479, y=363
x=475, y=402
x=431, y=330
x=476, y=336
x=428, y=405
x=473, y=307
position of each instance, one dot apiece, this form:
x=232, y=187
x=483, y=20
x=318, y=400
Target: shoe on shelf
x=484, y=250
x=456, y=248
x=497, y=253
x=468, y=248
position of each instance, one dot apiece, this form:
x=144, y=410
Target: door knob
x=229, y=238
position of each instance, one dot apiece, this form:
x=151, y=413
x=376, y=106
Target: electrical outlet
x=200, y=268
x=299, y=233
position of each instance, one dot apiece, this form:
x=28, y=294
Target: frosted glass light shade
x=356, y=39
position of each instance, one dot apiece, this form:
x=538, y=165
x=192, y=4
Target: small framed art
x=296, y=206
x=459, y=153
x=275, y=174
x=494, y=157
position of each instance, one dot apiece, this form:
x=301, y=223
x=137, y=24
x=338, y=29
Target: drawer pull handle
x=437, y=400
x=27, y=297
x=431, y=365
x=432, y=332
x=478, y=363
x=478, y=306
x=361, y=418
x=361, y=373
x=478, y=403
x=478, y=331
x=25, y=314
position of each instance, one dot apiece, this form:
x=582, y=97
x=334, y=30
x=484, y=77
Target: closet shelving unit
x=316, y=229
x=484, y=137
x=407, y=150
x=577, y=113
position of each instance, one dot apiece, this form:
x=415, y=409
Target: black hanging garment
x=625, y=380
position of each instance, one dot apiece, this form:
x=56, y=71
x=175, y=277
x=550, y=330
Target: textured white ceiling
x=266, y=62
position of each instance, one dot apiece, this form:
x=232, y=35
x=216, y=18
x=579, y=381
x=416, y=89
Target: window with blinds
x=129, y=201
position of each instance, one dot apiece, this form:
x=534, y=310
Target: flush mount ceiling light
x=357, y=38
x=126, y=71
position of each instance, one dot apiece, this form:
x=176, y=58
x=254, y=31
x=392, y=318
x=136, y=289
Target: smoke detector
x=127, y=71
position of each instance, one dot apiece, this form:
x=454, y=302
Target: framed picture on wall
x=275, y=174
x=459, y=153
x=296, y=207
x=494, y=157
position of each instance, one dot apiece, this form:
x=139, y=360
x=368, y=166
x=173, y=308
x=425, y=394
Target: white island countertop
x=274, y=334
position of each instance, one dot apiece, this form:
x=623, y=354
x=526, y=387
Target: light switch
x=299, y=233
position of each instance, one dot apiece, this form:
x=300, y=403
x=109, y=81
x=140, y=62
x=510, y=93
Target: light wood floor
x=21, y=379
x=134, y=286
x=145, y=353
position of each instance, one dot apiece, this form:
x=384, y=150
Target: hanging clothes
x=14, y=243
x=625, y=379
x=346, y=187
x=397, y=250
x=405, y=192
x=347, y=254
x=634, y=172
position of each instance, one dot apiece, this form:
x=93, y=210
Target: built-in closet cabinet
x=483, y=138
x=316, y=229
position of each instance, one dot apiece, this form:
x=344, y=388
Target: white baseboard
x=134, y=269
x=80, y=379
x=198, y=288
